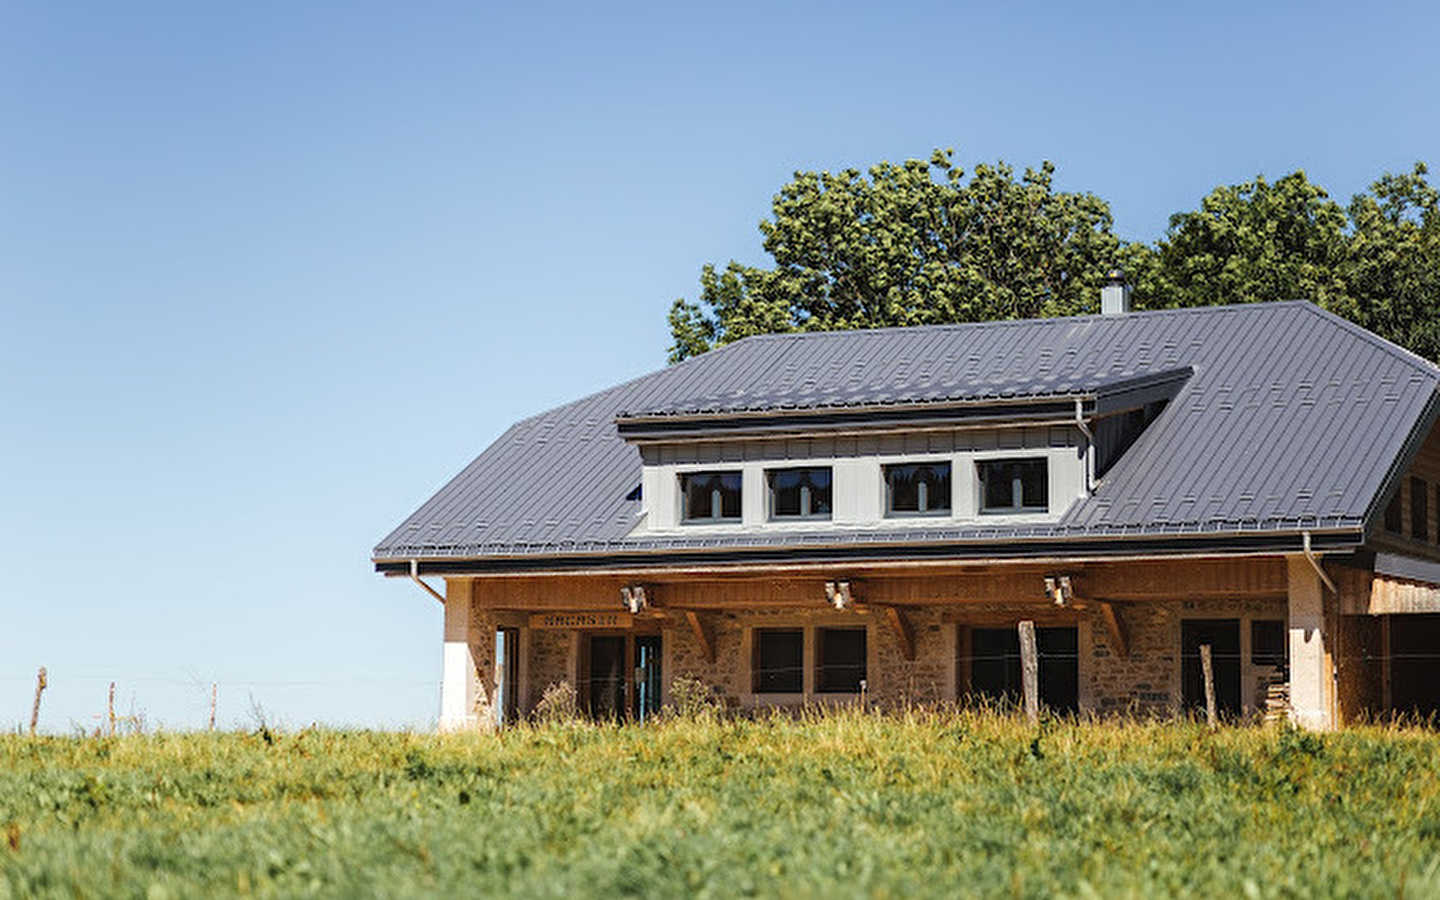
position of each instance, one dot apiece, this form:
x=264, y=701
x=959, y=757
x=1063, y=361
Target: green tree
x=1392, y=268
x=908, y=244
x=1250, y=242
x=918, y=243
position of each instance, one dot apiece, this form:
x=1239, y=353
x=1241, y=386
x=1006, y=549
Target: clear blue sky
x=271, y=272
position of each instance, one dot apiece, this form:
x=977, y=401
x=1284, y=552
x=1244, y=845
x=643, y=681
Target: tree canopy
x=919, y=243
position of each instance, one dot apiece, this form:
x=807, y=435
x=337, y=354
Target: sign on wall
x=582, y=620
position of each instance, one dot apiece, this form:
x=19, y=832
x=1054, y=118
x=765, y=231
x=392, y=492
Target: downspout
x=1089, y=446
x=1315, y=564
x=415, y=577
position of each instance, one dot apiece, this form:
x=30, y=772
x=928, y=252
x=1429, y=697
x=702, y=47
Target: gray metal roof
x=1291, y=418
x=1410, y=568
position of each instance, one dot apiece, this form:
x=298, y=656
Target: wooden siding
x=1365, y=593
x=1389, y=596
x=1425, y=466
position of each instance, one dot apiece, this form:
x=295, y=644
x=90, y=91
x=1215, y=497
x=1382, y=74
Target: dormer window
x=917, y=489
x=1014, y=485
x=799, y=493
x=710, y=496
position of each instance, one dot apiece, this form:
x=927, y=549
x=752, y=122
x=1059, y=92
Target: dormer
x=759, y=462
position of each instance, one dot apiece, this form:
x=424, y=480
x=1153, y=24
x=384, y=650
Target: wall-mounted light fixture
x=1058, y=589
x=634, y=598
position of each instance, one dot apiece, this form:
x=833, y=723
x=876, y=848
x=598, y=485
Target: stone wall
x=482, y=642
x=1143, y=682
x=727, y=675
x=549, y=664
x=927, y=679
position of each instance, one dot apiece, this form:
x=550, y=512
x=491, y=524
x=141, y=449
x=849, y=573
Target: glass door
x=647, y=676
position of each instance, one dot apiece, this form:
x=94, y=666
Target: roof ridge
x=1003, y=323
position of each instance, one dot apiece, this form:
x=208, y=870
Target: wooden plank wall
x=1426, y=466
x=1202, y=579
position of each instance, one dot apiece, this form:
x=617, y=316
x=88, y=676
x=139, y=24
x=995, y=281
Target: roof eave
x=855, y=419
x=1098, y=548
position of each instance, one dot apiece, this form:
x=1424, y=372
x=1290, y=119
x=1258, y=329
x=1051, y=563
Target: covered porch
x=1114, y=637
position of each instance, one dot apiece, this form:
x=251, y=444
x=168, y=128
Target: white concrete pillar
x=1311, y=684
x=459, y=685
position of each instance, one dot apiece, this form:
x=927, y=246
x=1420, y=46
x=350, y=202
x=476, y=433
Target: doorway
x=607, y=676
x=507, y=676
x=623, y=676
x=1223, y=636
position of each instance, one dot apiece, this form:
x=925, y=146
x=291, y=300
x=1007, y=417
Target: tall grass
x=840, y=804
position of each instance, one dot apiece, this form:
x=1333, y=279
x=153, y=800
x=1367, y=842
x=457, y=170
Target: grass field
x=843, y=805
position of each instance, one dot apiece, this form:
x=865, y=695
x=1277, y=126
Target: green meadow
x=824, y=806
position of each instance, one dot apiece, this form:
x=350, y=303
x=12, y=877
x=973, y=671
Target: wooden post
x=1208, y=671
x=35, y=710
x=214, y=690
x=110, y=709
x=1030, y=671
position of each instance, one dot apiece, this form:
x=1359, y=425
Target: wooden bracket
x=903, y=631
x=1115, y=627
x=703, y=635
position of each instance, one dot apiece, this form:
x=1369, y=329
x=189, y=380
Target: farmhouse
x=867, y=516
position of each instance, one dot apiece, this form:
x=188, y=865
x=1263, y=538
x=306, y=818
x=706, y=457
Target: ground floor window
x=1415, y=663
x=779, y=664
x=993, y=658
x=1223, y=636
x=841, y=664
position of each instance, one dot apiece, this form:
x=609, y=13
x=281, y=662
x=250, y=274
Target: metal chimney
x=1115, y=295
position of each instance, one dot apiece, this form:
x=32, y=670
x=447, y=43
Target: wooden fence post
x=1208, y=670
x=1030, y=671
x=214, y=689
x=35, y=710
x=110, y=709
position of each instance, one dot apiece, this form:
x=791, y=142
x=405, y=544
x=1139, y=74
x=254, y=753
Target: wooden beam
x=1119, y=639
x=703, y=635
x=912, y=587
x=903, y=631
x=1043, y=616
x=913, y=582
